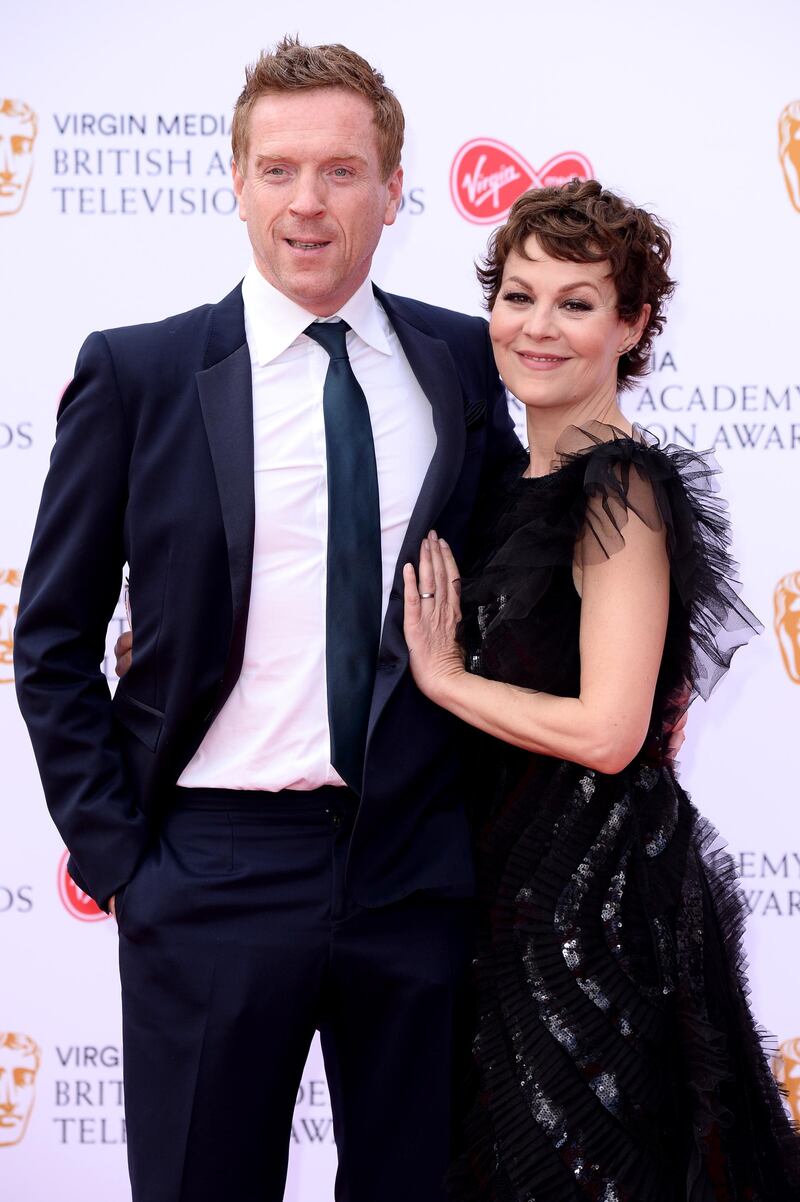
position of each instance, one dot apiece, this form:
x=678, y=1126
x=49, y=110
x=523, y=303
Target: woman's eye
x=517, y=298
x=577, y=306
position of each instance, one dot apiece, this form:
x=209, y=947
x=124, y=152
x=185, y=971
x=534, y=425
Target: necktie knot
x=331, y=336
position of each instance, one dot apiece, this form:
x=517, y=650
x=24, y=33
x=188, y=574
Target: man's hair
x=582, y=222
x=21, y=1043
x=292, y=67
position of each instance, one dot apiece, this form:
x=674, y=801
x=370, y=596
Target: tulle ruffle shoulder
x=540, y=527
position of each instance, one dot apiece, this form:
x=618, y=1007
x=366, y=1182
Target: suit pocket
x=140, y=719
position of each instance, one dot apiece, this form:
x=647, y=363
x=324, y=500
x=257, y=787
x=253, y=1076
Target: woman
x=615, y=1054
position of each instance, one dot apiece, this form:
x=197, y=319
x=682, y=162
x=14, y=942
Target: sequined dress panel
x=615, y=1058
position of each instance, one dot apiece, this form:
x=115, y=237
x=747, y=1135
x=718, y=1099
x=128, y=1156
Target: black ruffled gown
x=615, y=1058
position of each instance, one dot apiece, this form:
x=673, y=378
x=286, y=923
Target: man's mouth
x=316, y=244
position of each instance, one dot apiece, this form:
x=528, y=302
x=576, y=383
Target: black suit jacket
x=153, y=466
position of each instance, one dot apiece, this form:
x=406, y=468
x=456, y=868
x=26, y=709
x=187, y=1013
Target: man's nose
x=308, y=196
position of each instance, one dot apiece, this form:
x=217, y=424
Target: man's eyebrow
x=292, y=156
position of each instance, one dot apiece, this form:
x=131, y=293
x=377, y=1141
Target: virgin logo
x=75, y=901
x=487, y=176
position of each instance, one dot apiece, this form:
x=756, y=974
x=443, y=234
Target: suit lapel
x=226, y=400
x=432, y=363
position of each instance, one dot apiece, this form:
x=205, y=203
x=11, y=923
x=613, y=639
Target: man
x=272, y=808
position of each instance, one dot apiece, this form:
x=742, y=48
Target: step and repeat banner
x=116, y=207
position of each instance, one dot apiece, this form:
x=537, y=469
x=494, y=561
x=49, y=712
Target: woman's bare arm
x=623, y=624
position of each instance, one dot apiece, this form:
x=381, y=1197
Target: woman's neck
x=545, y=427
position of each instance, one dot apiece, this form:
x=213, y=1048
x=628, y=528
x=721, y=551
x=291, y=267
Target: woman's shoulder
x=619, y=472
x=676, y=490
x=599, y=443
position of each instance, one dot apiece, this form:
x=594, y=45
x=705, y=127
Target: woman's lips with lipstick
x=541, y=362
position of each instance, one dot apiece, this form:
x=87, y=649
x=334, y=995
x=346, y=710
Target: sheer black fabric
x=615, y=1058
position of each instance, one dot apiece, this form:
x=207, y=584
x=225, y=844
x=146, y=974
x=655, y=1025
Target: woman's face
x=556, y=331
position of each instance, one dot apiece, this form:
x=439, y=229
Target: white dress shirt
x=273, y=733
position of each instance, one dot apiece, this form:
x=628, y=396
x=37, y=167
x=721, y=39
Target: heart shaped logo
x=487, y=176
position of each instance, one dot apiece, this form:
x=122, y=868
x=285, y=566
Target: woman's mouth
x=539, y=362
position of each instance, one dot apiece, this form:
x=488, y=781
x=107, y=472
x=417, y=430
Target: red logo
x=75, y=901
x=487, y=177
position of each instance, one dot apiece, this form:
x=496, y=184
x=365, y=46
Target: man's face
x=17, y=1086
x=17, y=135
x=312, y=195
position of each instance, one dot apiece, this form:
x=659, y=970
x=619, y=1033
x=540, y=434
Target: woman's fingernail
x=433, y=535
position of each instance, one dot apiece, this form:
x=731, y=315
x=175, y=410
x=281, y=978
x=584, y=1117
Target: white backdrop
x=128, y=217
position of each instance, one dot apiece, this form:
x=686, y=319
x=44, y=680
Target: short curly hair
x=583, y=222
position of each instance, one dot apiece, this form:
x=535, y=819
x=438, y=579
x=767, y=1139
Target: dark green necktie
x=354, y=594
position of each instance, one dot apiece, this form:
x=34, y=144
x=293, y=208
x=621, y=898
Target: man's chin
x=315, y=291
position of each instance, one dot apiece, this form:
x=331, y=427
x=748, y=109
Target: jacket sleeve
x=69, y=591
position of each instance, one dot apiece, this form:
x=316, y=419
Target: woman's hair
x=584, y=223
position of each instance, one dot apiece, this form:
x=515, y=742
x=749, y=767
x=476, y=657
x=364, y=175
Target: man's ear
x=238, y=189
x=394, y=185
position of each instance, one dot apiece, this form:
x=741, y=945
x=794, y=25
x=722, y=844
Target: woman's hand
x=432, y=613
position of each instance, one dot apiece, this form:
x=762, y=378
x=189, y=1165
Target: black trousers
x=237, y=942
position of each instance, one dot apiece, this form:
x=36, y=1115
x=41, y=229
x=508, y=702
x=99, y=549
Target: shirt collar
x=273, y=321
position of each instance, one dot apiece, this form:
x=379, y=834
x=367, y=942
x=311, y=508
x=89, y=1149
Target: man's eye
x=342, y=172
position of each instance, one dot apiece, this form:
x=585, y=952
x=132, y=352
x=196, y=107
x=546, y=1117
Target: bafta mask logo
x=19, y=1063
x=74, y=900
x=787, y=623
x=17, y=135
x=789, y=150
x=10, y=580
x=786, y=1067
